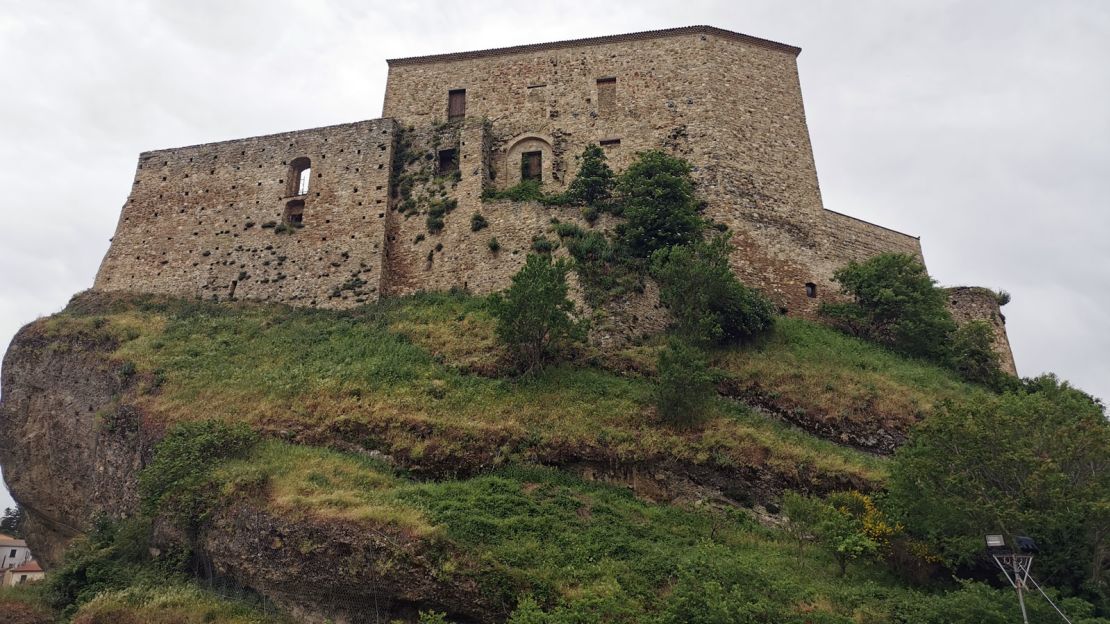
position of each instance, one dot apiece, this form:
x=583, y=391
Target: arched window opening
x=294, y=213
x=811, y=290
x=300, y=173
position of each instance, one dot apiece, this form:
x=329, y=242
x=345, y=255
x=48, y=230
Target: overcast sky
x=982, y=127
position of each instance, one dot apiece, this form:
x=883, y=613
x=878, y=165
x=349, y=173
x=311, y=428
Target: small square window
x=811, y=290
x=448, y=161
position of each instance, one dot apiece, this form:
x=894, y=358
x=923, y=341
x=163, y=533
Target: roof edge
x=589, y=41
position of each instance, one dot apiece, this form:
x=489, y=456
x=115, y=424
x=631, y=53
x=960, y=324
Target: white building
x=13, y=552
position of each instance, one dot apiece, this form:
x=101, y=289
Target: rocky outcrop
x=70, y=450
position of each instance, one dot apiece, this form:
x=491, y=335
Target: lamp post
x=1015, y=565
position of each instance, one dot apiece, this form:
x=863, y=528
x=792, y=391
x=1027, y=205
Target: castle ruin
x=338, y=216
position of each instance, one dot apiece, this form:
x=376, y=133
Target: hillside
x=401, y=467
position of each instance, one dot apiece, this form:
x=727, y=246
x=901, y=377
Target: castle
x=338, y=216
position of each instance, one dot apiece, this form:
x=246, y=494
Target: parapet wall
x=208, y=220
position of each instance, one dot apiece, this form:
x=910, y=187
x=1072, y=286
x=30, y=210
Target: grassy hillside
x=396, y=420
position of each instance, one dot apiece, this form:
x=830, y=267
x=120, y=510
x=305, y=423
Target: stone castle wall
x=208, y=220
x=203, y=220
x=973, y=303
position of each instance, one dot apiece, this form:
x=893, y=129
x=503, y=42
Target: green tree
x=534, y=315
x=708, y=303
x=11, y=523
x=684, y=386
x=593, y=186
x=1033, y=463
x=656, y=194
x=836, y=523
x=896, y=303
x=973, y=355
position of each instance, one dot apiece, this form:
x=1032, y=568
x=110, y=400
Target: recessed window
x=448, y=161
x=531, y=166
x=811, y=290
x=606, y=95
x=300, y=174
x=609, y=142
x=294, y=213
x=456, y=104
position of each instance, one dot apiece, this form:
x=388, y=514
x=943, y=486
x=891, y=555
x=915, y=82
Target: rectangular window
x=456, y=104
x=531, y=166
x=811, y=290
x=609, y=142
x=606, y=95
x=13, y=554
x=448, y=162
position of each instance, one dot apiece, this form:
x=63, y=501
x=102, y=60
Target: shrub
x=534, y=314
x=708, y=303
x=1035, y=463
x=593, y=186
x=478, y=222
x=543, y=245
x=526, y=190
x=494, y=245
x=684, y=387
x=836, y=523
x=569, y=230
x=656, y=194
x=973, y=355
x=896, y=304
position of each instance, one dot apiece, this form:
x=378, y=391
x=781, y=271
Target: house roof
x=28, y=566
x=575, y=43
x=8, y=540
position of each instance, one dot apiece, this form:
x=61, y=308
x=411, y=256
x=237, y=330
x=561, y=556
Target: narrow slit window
x=610, y=142
x=531, y=166
x=300, y=174
x=456, y=104
x=606, y=95
x=811, y=290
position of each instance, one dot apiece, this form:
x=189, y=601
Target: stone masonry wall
x=206, y=220
x=731, y=106
x=972, y=303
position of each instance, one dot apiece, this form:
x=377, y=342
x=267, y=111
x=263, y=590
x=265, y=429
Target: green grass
x=590, y=552
x=412, y=378
x=172, y=603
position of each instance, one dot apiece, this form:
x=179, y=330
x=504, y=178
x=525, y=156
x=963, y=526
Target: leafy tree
x=1027, y=463
x=656, y=194
x=685, y=384
x=534, y=314
x=593, y=186
x=11, y=523
x=896, y=303
x=840, y=524
x=708, y=303
x=973, y=355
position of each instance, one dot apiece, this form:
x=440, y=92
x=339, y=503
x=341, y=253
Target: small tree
x=11, y=523
x=685, y=384
x=896, y=303
x=593, y=186
x=657, y=197
x=534, y=314
x=973, y=355
x=836, y=523
x=708, y=303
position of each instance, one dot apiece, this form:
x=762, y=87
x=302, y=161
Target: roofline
x=592, y=41
x=883, y=227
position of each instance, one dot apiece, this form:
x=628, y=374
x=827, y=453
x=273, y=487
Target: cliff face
x=70, y=451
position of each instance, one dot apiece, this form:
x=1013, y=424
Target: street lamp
x=1016, y=565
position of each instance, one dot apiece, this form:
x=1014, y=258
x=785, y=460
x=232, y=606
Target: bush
x=656, y=194
x=494, y=245
x=543, y=245
x=1035, y=463
x=708, y=303
x=176, y=483
x=526, y=190
x=478, y=222
x=534, y=314
x=840, y=524
x=684, y=387
x=896, y=304
x=973, y=355
x=593, y=186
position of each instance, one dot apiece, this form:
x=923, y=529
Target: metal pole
x=1020, y=582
